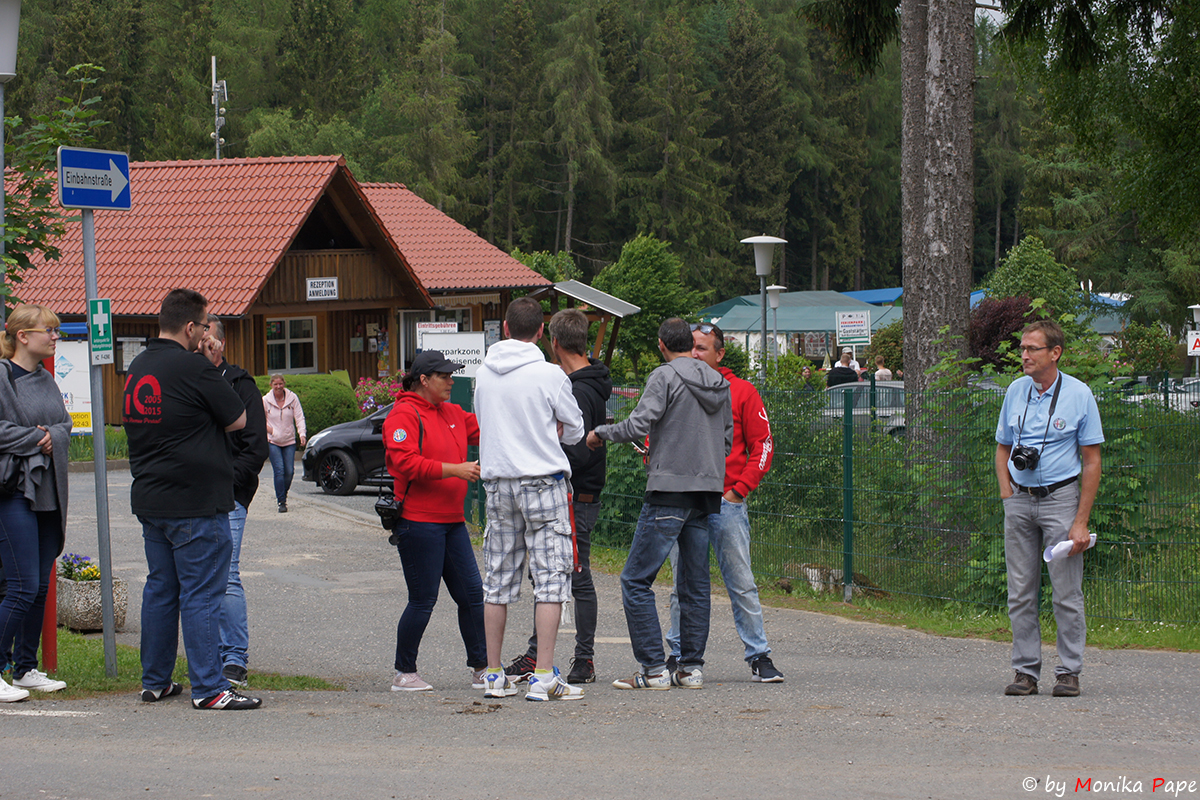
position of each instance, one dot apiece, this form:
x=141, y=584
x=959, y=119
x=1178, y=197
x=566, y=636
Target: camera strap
x=1053, y=404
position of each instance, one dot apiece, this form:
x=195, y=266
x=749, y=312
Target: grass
x=81, y=665
x=115, y=443
x=939, y=617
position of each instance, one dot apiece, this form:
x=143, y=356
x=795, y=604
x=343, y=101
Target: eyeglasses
x=204, y=325
x=52, y=332
x=703, y=327
x=1029, y=349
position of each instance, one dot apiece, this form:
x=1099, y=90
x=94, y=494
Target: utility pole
x=219, y=96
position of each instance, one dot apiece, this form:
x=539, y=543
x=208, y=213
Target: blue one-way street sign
x=93, y=178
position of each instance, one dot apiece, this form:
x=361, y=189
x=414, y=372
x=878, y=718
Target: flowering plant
x=75, y=567
x=373, y=394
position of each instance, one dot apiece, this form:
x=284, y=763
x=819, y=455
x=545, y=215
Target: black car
x=341, y=457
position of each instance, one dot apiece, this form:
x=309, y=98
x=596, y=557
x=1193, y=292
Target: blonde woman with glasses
x=34, y=431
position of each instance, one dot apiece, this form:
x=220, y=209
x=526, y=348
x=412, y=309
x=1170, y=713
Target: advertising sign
x=853, y=327
x=1193, y=343
x=465, y=348
x=73, y=376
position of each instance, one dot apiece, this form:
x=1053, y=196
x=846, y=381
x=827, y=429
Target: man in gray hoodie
x=685, y=409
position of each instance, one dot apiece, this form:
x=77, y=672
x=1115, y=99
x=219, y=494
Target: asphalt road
x=866, y=711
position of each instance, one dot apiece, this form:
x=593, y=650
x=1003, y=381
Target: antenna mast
x=219, y=95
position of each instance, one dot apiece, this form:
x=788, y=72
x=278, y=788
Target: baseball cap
x=428, y=362
x=848, y=350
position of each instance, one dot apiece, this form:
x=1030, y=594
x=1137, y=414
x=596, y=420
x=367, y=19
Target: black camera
x=389, y=510
x=1025, y=457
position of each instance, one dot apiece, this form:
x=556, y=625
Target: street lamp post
x=10, y=25
x=764, y=252
x=773, y=296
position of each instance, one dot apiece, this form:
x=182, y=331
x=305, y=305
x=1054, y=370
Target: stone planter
x=79, y=604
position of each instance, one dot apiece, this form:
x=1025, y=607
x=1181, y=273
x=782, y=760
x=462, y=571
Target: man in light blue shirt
x=1048, y=467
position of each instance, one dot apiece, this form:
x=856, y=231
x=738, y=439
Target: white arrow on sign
x=81, y=178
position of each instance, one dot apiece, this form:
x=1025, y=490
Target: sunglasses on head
x=703, y=327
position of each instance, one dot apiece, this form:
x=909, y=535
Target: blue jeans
x=29, y=542
x=188, y=560
x=658, y=529
x=729, y=533
x=235, y=629
x=283, y=464
x=432, y=552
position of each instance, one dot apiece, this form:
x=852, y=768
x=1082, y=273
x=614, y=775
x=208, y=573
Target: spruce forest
x=572, y=127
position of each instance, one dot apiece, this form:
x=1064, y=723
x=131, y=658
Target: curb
x=90, y=466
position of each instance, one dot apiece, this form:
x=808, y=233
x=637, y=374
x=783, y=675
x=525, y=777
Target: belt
x=1043, y=491
x=587, y=498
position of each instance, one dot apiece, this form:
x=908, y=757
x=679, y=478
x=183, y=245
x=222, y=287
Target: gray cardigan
x=38, y=401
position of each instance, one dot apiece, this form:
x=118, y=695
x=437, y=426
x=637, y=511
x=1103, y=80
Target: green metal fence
x=911, y=506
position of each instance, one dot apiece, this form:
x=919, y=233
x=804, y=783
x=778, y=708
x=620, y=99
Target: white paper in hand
x=1062, y=549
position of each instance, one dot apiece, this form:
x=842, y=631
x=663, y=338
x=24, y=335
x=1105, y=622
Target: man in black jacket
x=249, y=454
x=591, y=387
x=842, y=372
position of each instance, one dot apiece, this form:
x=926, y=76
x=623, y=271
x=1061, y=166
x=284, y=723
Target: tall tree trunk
x=570, y=208
x=937, y=181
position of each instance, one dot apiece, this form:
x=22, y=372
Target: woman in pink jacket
x=285, y=419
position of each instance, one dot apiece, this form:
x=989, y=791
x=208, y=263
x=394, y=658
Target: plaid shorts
x=527, y=515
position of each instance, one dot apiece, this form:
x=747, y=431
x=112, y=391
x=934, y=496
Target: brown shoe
x=1066, y=686
x=1022, y=685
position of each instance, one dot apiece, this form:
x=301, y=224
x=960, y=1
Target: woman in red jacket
x=426, y=440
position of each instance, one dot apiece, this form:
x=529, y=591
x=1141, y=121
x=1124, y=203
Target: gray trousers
x=1030, y=525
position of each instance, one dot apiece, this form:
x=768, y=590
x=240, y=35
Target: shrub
x=736, y=359
x=995, y=327
x=325, y=399
x=1147, y=348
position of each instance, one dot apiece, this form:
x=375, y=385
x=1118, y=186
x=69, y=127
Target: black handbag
x=387, y=506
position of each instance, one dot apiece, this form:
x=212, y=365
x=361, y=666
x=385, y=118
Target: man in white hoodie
x=525, y=408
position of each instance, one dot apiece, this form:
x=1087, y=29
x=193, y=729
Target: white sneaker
x=497, y=684
x=688, y=678
x=552, y=687
x=38, y=682
x=658, y=683
x=9, y=694
x=409, y=682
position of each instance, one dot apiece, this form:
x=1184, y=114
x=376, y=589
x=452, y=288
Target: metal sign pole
x=100, y=458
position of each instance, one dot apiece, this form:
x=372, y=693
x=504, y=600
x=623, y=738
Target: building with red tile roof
x=256, y=236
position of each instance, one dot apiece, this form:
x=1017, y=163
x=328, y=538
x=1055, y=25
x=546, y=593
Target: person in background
x=842, y=372
x=35, y=430
x=425, y=438
x=285, y=426
x=882, y=373
x=249, y=452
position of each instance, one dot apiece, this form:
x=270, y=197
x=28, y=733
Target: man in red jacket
x=729, y=531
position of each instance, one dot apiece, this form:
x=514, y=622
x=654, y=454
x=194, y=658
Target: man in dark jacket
x=249, y=454
x=843, y=372
x=591, y=386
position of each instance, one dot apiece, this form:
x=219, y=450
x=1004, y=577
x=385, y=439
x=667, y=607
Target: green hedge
x=326, y=399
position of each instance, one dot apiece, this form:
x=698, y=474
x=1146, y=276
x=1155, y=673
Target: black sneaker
x=235, y=674
x=283, y=508
x=154, y=695
x=1067, y=685
x=582, y=671
x=672, y=664
x=763, y=671
x=228, y=700
x=520, y=669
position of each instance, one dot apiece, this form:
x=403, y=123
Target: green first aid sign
x=100, y=331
